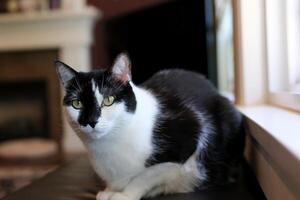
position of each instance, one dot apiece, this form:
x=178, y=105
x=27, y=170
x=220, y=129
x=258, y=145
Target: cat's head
x=98, y=101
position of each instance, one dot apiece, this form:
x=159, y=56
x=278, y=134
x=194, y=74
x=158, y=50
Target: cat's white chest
x=117, y=160
x=123, y=153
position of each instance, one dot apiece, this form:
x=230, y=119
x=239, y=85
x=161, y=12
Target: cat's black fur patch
x=80, y=87
x=181, y=94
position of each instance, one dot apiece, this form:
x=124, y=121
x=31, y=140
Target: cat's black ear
x=65, y=72
x=122, y=68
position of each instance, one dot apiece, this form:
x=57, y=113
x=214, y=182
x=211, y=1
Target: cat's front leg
x=105, y=194
x=171, y=177
x=111, y=195
x=122, y=196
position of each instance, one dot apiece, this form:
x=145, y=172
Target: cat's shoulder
x=177, y=79
x=178, y=73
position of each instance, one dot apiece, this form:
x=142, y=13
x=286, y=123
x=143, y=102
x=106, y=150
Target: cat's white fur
x=120, y=144
x=121, y=154
x=118, y=155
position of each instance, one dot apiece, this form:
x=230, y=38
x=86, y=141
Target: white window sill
x=275, y=149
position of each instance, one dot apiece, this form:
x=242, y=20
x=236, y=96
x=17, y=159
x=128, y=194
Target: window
x=282, y=19
x=224, y=34
x=267, y=46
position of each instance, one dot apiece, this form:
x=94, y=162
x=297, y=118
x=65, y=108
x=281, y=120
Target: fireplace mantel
x=69, y=32
x=51, y=29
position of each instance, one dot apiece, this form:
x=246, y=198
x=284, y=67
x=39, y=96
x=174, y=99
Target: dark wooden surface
x=76, y=180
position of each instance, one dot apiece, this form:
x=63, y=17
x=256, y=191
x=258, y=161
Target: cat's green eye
x=76, y=104
x=108, y=101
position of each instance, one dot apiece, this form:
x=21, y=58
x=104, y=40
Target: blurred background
x=157, y=34
x=198, y=35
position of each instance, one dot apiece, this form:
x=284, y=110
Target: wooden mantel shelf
x=45, y=30
x=86, y=13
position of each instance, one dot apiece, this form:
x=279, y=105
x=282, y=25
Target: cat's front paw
x=104, y=195
x=122, y=196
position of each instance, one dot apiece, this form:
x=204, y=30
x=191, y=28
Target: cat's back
x=181, y=83
x=182, y=97
x=189, y=107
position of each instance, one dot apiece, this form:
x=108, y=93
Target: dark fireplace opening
x=30, y=107
x=23, y=110
x=30, y=117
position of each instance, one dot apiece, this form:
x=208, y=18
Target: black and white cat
x=172, y=134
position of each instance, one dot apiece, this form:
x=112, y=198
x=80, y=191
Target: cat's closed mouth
x=93, y=132
x=96, y=134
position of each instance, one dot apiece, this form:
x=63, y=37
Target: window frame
x=283, y=65
x=258, y=66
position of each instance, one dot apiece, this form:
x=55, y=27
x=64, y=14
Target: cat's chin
x=93, y=133
x=96, y=135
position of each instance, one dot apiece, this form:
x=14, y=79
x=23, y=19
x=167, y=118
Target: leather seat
x=76, y=180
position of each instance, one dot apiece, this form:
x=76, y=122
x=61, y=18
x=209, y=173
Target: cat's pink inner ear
x=122, y=68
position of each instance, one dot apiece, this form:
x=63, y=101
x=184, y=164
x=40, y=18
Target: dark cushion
x=76, y=180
